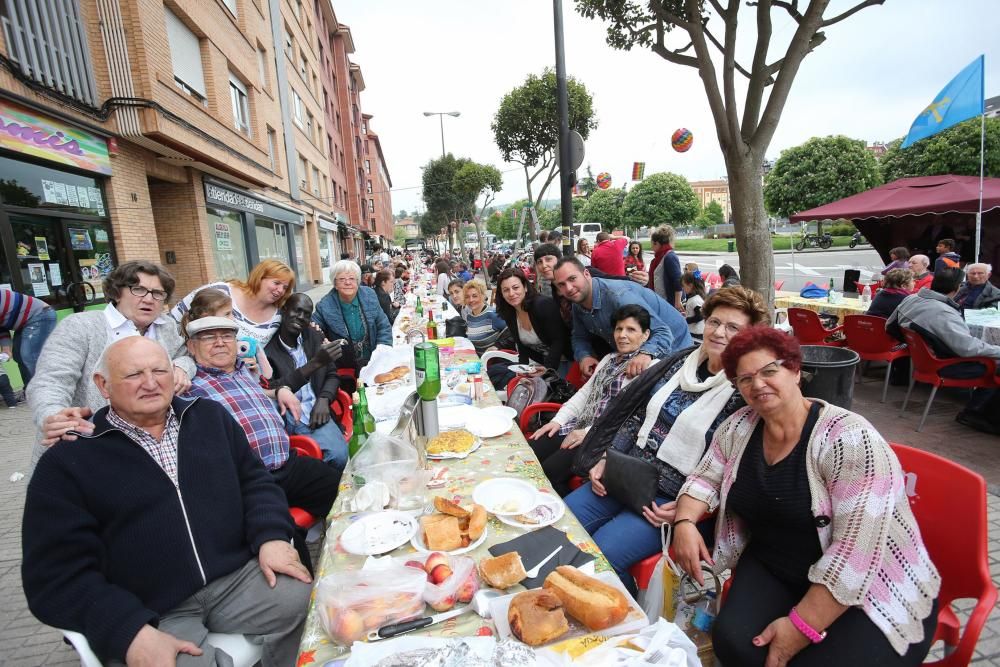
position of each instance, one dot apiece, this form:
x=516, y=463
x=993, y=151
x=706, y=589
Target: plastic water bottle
x=829, y=293
x=866, y=295
x=700, y=630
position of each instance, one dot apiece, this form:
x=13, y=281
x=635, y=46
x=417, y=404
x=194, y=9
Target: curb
x=776, y=252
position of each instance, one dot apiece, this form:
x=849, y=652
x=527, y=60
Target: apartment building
x=717, y=191
x=377, y=182
x=191, y=132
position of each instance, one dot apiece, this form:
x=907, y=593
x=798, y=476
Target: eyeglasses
x=140, y=291
x=208, y=336
x=346, y=280
x=715, y=323
x=767, y=372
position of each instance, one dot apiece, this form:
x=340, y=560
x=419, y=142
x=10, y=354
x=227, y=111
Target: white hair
x=987, y=267
x=923, y=259
x=345, y=266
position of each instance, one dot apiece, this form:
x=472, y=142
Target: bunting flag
x=638, y=169
x=960, y=100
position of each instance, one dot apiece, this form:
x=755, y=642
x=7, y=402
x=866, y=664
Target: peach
x=468, y=588
x=349, y=626
x=435, y=559
x=440, y=574
x=444, y=604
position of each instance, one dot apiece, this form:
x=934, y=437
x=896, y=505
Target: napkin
x=538, y=544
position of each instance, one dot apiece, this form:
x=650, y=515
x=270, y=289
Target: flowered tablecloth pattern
x=845, y=307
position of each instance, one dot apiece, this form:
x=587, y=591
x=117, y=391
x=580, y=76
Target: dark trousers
x=556, y=462
x=311, y=485
x=757, y=598
x=6, y=390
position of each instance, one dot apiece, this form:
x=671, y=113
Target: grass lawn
x=720, y=245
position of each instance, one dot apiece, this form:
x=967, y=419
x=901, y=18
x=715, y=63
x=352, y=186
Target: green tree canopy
x=605, y=207
x=658, y=199
x=474, y=180
x=443, y=202
x=820, y=171
x=953, y=151
x=551, y=218
x=588, y=184
x=710, y=215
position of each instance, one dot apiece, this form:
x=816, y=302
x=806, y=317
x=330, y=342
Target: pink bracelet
x=805, y=628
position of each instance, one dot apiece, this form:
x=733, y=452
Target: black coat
x=325, y=382
x=550, y=329
x=885, y=303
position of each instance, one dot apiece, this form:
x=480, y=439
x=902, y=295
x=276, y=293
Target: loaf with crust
x=441, y=532
x=445, y=506
x=477, y=522
x=590, y=601
x=536, y=617
x=503, y=571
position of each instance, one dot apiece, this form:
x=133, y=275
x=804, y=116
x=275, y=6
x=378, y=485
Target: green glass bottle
x=359, y=436
x=428, y=370
x=366, y=416
x=420, y=306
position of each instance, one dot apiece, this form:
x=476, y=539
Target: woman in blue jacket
x=351, y=311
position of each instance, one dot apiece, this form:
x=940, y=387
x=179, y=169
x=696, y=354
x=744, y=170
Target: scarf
x=602, y=379
x=657, y=258
x=684, y=444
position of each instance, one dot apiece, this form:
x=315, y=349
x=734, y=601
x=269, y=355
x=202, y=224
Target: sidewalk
x=24, y=642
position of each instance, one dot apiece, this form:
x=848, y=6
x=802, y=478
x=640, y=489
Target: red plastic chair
x=809, y=330
x=778, y=284
x=940, y=491
x=342, y=413
x=866, y=335
x=926, y=368
x=531, y=411
x=304, y=446
x=575, y=376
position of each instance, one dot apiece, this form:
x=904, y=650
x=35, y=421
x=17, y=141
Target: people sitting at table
x=351, y=311
x=211, y=301
x=977, y=291
x=159, y=525
x=897, y=285
x=382, y=287
x=546, y=255
x=899, y=257
x=534, y=322
x=829, y=566
x=946, y=258
x=922, y=278
x=307, y=365
x=455, y=297
x=729, y=276
x=694, y=299
x=555, y=443
x=664, y=418
x=62, y=395
x=933, y=313
x=595, y=299
x=485, y=328
x=400, y=285
x=308, y=483
x=442, y=271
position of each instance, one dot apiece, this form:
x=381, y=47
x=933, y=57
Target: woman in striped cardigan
x=829, y=567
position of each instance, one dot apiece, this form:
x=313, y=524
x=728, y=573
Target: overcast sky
x=875, y=73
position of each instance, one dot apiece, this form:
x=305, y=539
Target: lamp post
x=441, y=115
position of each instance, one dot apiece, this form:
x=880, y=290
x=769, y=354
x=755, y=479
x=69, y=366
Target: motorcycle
x=811, y=240
x=858, y=239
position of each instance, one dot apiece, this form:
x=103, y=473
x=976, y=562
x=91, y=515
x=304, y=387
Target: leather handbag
x=630, y=481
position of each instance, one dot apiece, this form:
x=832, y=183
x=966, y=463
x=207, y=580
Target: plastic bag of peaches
x=354, y=602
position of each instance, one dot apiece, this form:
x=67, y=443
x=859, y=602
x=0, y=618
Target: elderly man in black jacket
x=304, y=363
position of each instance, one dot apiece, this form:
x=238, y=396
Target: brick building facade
x=202, y=135
x=717, y=191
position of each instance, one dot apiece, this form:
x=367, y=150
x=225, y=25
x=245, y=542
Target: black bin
x=731, y=246
x=832, y=370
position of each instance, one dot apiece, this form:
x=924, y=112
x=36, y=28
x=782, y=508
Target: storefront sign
x=223, y=240
x=31, y=133
x=218, y=195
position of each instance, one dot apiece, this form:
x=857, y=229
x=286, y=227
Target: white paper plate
x=635, y=619
x=502, y=411
x=522, y=369
x=418, y=543
x=477, y=443
x=378, y=533
x=506, y=496
x=487, y=425
x=549, y=510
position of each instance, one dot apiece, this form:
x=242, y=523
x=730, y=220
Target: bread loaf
x=477, y=522
x=445, y=506
x=441, y=532
x=503, y=571
x=594, y=603
x=536, y=617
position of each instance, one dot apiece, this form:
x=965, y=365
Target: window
x=272, y=148
x=371, y=205
x=185, y=55
x=265, y=83
x=297, y=112
x=289, y=44
x=241, y=105
x=298, y=9
x=338, y=124
x=368, y=187
x=316, y=181
x=54, y=51
x=303, y=66
x=303, y=173
x=309, y=125
x=334, y=191
x=231, y=6
x=368, y=166
x=342, y=163
x=364, y=127
x=315, y=86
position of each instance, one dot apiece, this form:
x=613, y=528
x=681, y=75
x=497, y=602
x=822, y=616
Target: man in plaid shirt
x=308, y=483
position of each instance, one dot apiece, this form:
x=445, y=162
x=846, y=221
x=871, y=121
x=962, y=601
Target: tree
x=820, y=171
x=710, y=215
x=658, y=199
x=500, y=225
x=743, y=140
x=526, y=127
x=444, y=204
x=953, y=151
x=472, y=181
x=403, y=214
x=551, y=218
x=588, y=184
x=605, y=207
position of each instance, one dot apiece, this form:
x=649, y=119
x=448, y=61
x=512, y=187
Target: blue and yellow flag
x=960, y=100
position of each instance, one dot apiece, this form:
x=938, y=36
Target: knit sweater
x=873, y=556
x=110, y=544
x=484, y=329
x=64, y=374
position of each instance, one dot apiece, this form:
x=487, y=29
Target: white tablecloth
x=984, y=324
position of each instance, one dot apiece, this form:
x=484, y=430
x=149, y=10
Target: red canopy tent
x=917, y=212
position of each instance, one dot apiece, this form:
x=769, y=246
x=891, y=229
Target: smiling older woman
x=813, y=515
x=351, y=311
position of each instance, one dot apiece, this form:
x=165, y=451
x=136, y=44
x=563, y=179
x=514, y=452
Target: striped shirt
x=243, y=397
x=164, y=450
x=261, y=331
x=484, y=329
x=15, y=311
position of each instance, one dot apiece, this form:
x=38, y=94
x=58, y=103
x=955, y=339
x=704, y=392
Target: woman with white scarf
x=666, y=419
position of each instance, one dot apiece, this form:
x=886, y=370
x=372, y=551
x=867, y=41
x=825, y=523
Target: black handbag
x=456, y=326
x=630, y=481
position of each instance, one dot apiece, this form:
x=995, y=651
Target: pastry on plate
x=503, y=571
x=536, y=617
x=441, y=532
x=590, y=601
x=451, y=442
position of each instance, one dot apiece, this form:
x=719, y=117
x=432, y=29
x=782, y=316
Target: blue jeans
x=30, y=339
x=329, y=437
x=624, y=537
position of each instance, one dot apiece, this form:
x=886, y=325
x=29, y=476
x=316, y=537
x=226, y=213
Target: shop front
x=55, y=229
x=330, y=243
x=245, y=229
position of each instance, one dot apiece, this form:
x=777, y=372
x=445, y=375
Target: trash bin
x=731, y=245
x=832, y=370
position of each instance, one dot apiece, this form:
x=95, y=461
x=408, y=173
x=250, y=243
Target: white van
x=586, y=230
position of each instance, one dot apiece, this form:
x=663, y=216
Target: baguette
x=477, y=522
x=594, y=603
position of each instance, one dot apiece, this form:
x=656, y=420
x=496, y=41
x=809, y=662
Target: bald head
x=136, y=375
x=919, y=263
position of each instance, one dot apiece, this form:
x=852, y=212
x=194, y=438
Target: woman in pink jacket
x=829, y=567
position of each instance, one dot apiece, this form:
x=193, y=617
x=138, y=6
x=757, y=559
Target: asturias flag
x=960, y=100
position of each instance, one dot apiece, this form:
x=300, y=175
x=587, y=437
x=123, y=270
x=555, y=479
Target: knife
x=387, y=631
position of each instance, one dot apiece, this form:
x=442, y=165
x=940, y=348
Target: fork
x=533, y=572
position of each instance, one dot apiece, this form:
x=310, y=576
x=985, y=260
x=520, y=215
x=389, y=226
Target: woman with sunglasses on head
x=62, y=394
x=659, y=426
x=814, y=517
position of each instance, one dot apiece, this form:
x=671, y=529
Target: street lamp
x=441, y=115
